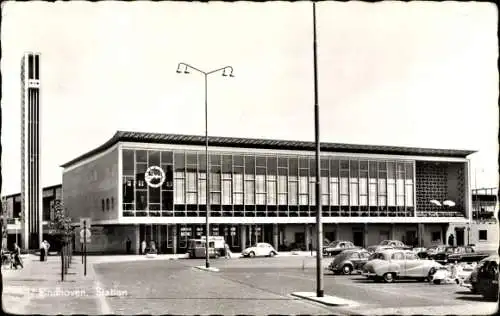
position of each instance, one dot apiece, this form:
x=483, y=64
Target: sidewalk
x=37, y=289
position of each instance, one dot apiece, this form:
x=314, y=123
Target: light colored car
x=393, y=264
x=261, y=249
x=378, y=248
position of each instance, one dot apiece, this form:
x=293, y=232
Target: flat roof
x=257, y=143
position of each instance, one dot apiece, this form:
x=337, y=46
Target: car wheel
x=431, y=273
x=346, y=269
x=473, y=289
x=251, y=254
x=389, y=277
x=437, y=281
x=272, y=254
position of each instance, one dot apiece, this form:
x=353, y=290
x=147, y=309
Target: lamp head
x=229, y=69
x=186, y=71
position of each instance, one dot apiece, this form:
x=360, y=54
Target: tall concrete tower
x=31, y=187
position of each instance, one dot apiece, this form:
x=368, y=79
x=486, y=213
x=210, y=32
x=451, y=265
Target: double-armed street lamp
x=227, y=71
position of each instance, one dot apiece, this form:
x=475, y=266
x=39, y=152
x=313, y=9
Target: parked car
x=378, y=248
x=471, y=281
x=387, y=244
x=421, y=252
x=487, y=278
x=459, y=254
x=349, y=260
x=261, y=249
x=336, y=247
x=393, y=264
x=432, y=251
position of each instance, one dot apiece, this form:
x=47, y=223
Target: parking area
x=264, y=285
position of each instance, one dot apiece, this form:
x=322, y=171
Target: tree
x=4, y=222
x=60, y=225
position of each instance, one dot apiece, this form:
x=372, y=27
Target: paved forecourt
x=264, y=285
x=133, y=284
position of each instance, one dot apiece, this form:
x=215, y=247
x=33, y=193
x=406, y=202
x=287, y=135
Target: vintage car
x=471, y=281
x=378, y=248
x=487, y=278
x=348, y=261
x=388, y=243
x=394, y=264
x=336, y=247
x=432, y=251
x=260, y=249
x=459, y=254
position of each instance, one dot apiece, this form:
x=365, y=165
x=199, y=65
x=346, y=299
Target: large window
x=256, y=184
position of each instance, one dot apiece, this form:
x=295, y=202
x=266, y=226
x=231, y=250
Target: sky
x=389, y=73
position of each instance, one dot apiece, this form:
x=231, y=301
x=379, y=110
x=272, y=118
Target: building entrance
x=357, y=238
x=460, y=237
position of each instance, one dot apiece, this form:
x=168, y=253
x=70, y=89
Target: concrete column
x=337, y=226
x=174, y=238
x=365, y=235
x=420, y=233
x=307, y=236
x=137, y=239
x=275, y=236
x=392, y=231
x=243, y=236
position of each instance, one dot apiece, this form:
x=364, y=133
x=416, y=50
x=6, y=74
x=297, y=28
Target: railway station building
x=152, y=187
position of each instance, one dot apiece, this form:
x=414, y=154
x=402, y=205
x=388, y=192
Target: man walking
x=129, y=245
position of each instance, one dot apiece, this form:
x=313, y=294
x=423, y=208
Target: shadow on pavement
x=465, y=293
x=32, y=280
x=475, y=298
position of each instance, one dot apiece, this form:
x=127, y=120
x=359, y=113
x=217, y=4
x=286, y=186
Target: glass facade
x=265, y=185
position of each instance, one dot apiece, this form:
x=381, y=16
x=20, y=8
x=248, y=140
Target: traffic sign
x=87, y=220
x=82, y=233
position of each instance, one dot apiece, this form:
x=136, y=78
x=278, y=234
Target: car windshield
x=377, y=255
x=334, y=244
x=385, y=242
x=450, y=250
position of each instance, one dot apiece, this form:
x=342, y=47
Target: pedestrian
x=47, y=247
x=143, y=247
x=17, y=257
x=227, y=251
x=451, y=240
x=129, y=245
x=43, y=251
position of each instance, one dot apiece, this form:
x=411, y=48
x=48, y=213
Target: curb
x=325, y=300
x=203, y=268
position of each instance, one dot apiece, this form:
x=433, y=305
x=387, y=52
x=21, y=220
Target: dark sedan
x=459, y=254
x=349, y=260
x=487, y=278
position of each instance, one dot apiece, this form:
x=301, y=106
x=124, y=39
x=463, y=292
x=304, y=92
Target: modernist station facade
x=152, y=187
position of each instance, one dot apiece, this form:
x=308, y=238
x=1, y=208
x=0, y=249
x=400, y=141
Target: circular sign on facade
x=154, y=176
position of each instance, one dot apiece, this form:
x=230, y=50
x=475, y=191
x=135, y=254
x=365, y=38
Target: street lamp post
x=319, y=225
x=227, y=71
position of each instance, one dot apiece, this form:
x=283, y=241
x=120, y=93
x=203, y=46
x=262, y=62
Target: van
x=196, y=249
